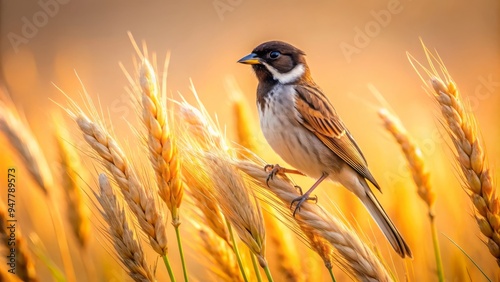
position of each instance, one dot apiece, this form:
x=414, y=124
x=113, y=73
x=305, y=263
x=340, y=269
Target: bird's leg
x=300, y=200
x=277, y=169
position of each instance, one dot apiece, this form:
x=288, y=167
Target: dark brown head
x=277, y=62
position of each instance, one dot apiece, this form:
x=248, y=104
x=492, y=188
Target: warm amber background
x=90, y=37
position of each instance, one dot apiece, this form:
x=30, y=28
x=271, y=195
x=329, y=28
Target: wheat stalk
x=139, y=198
x=71, y=182
x=127, y=247
x=161, y=144
x=355, y=255
x=21, y=139
x=24, y=265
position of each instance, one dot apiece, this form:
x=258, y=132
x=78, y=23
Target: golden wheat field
x=131, y=148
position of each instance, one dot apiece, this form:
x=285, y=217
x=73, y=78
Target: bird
x=301, y=125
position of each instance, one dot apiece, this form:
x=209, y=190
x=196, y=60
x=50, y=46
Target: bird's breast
x=295, y=144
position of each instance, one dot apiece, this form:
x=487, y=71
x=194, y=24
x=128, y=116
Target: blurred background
x=350, y=46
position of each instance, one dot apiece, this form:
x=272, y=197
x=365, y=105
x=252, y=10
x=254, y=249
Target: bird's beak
x=250, y=59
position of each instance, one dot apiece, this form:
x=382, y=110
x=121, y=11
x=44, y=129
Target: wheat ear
x=124, y=240
x=238, y=204
x=19, y=136
x=355, y=255
x=139, y=198
x=71, y=182
x=162, y=148
x=24, y=266
x=420, y=174
x=477, y=178
x=201, y=189
x=201, y=136
x=413, y=155
x=197, y=125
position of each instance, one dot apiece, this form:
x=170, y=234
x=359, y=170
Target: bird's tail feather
x=384, y=222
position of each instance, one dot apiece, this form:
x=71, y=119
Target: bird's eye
x=274, y=54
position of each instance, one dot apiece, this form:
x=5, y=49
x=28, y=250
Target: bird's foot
x=277, y=169
x=300, y=200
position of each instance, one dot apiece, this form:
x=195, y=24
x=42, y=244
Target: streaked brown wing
x=318, y=115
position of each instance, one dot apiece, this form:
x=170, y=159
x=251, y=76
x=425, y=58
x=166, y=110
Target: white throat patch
x=288, y=77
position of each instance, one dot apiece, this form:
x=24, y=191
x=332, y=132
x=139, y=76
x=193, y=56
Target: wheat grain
x=355, y=255
x=124, y=241
x=161, y=143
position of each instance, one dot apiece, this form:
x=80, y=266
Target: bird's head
x=277, y=61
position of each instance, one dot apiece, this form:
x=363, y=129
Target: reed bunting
x=302, y=126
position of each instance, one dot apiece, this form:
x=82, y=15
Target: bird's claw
x=299, y=188
x=273, y=171
x=300, y=200
x=268, y=167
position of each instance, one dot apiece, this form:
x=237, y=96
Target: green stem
x=60, y=235
x=256, y=267
x=181, y=252
x=437, y=252
x=331, y=274
x=41, y=253
x=237, y=252
x=169, y=268
x=268, y=273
